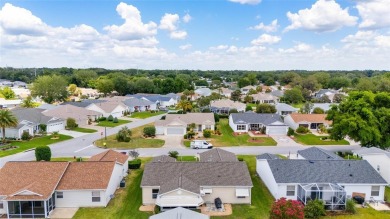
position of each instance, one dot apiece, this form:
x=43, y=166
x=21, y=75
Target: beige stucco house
x=176, y=124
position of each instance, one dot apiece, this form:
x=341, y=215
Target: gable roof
x=181, y=182
x=179, y=213
x=267, y=156
x=132, y=102
x=217, y=155
x=371, y=150
x=203, y=91
x=277, y=93
x=33, y=115
x=324, y=171
x=163, y=158
x=110, y=155
x=109, y=106
x=227, y=103
x=188, y=118
x=315, y=153
x=87, y=175
x=312, y=118
x=285, y=107
x=40, y=178
x=263, y=96
x=70, y=111
x=248, y=118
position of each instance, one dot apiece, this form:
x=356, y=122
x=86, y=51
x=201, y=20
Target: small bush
x=173, y=154
x=26, y=136
x=233, y=111
x=206, y=110
x=318, y=110
x=42, y=153
x=115, y=120
x=223, y=116
x=102, y=118
x=263, y=129
x=123, y=135
x=283, y=208
x=290, y=131
x=190, y=134
x=216, y=117
x=302, y=130
x=42, y=127
x=207, y=133
x=248, y=108
x=71, y=123
x=314, y=209
x=350, y=206
x=79, y=159
x=134, y=164
x=110, y=118
x=150, y=131
x=163, y=117
x=185, y=136
x=240, y=159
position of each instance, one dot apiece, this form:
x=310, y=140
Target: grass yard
x=83, y=130
x=387, y=193
x=186, y=158
x=363, y=213
x=187, y=143
x=228, y=139
x=33, y=143
x=253, y=105
x=145, y=114
x=310, y=139
x=137, y=141
x=107, y=123
x=126, y=202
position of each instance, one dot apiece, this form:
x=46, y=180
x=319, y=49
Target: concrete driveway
x=74, y=134
x=172, y=141
x=63, y=213
x=284, y=140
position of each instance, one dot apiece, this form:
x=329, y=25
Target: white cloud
x=133, y=27
x=185, y=46
x=366, y=41
x=187, y=18
x=323, y=16
x=298, y=48
x=375, y=14
x=249, y=2
x=219, y=47
x=272, y=27
x=265, y=39
x=169, y=22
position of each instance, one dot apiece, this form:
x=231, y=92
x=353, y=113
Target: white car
x=200, y=144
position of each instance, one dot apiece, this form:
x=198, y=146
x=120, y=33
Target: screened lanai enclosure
x=30, y=209
x=333, y=195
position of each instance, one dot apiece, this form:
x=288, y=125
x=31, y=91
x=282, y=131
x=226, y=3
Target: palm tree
x=185, y=105
x=7, y=119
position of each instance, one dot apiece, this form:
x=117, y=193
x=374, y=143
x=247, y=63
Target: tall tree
x=28, y=103
x=293, y=96
x=265, y=108
x=7, y=119
x=50, y=88
x=82, y=77
x=235, y=95
x=185, y=105
x=105, y=86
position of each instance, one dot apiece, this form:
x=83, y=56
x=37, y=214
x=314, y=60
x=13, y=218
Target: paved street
x=83, y=146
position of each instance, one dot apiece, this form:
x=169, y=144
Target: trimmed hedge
x=110, y=118
x=134, y=164
x=42, y=153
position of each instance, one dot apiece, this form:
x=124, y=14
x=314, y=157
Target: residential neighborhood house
x=81, y=115
x=264, y=98
x=223, y=106
x=285, y=109
x=176, y=124
x=310, y=121
x=379, y=159
x=245, y=122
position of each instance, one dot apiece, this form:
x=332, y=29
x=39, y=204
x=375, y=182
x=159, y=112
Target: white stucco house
x=310, y=121
x=176, y=124
x=139, y=105
x=284, y=109
x=333, y=181
x=249, y=121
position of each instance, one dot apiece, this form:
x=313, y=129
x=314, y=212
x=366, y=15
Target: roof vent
x=310, y=161
x=351, y=175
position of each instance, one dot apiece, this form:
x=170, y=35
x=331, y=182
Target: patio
x=333, y=195
x=211, y=210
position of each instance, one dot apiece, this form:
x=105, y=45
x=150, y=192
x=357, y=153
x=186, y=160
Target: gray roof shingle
x=131, y=102
x=180, y=213
x=315, y=153
x=33, y=115
x=217, y=155
x=267, y=156
x=324, y=171
x=248, y=118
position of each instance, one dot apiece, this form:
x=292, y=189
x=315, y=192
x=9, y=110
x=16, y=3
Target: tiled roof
x=31, y=177
x=249, y=118
x=132, y=102
x=217, y=155
x=263, y=96
x=315, y=118
x=163, y=158
x=110, y=155
x=324, y=171
x=371, y=150
x=315, y=153
x=87, y=175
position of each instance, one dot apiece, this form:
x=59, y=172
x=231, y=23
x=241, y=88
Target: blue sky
x=182, y=34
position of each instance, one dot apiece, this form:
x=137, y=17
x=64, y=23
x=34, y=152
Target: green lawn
x=387, y=193
x=137, y=141
x=107, y=123
x=363, y=213
x=125, y=204
x=310, y=139
x=84, y=130
x=253, y=105
x=145, y=114
x=297, y=105
x=33, y=143
x=186, y=158
x=228, y=139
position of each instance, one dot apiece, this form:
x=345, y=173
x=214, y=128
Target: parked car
x=200, y=144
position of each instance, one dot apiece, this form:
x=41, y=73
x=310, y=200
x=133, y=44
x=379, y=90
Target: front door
x=199, y=128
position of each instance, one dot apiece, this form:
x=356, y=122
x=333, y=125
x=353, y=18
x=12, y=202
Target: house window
x=155, y=193
x=95, y=196
x=208, y=126
x=375, y=190
x=241, y=127
x=60, y=195
x=1, y=205
x=290, y=191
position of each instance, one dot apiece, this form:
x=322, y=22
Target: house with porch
x=310, y=121
x=139, y=105
x=264, y=98
x=223, y=106
x=333, y=181
x=249, y=121
x=172, y=184
x=81, y=115
x=284, y=109
x=176, y=124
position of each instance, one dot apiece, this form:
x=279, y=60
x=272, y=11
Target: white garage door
x=276, y=130
x=159, y=130
x=55, y=127
x=175, y=131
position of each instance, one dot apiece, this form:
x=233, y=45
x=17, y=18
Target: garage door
x=276, y=130
x=175, y=131
x=55, y=127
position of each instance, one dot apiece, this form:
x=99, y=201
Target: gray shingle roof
x=217, y=155
x=315, y=153
x=371, y=150
x=277, y=93
x=200, y=173
x=324, y=171
x=267, y=156
x=180, y=213
x=163, y=158
x=248, y=118
x=33, y=115
x=131, y=102
x=285, y=107
x=179, y=182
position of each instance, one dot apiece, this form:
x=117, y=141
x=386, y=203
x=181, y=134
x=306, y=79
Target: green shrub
x=26, y=136
x=173, y=154
x=115, y=120
x=185, y=136
x=190, y=134
x=42, y=153
x=314, y=209
x=150, y=131
x=290, y=131
x=216, y=117
x=123, y=135
x=302, y=130
x=110, y=118
x=223, y=116
x=350, y=206
x=42, y=127
x=102, y=118
x=71, y=123
x=248, y=108
x=79, y=159
x=233, y=111
x=318, y=110
x=207, y=133
x=134, y=164
x=206, y=110
x=240, y=159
